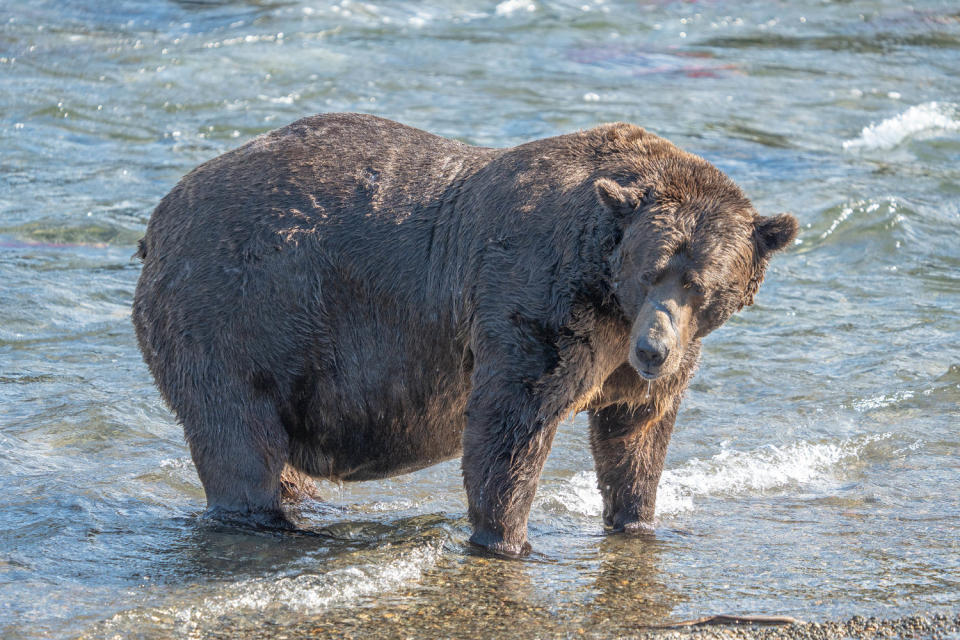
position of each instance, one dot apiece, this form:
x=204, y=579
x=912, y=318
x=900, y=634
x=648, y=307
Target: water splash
x=292, y=595
x=729, y=472
x=508, y=7
x=929, y=116
x=881, y=401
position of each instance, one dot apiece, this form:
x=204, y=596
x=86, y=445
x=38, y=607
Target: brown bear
x=351, y=298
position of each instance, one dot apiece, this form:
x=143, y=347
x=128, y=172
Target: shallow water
x=814, y=471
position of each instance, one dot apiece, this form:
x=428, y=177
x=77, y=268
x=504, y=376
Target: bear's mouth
x=647, y=375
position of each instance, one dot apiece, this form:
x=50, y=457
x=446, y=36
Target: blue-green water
x=815, y=469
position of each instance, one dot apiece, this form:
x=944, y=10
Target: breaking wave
x=929, y=116
x=729, y=472
x=508, y=7
x=292, y=595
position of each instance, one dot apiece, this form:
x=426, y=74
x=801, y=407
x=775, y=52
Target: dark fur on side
x=350, y=298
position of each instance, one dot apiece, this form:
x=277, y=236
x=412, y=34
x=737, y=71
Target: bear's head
x=689, y=251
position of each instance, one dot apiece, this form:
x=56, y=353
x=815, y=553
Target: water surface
x=814, y=470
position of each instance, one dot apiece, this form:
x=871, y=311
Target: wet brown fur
x=350, y=298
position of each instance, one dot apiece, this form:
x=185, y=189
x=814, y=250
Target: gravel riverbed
x=938, y=626
x=387, y=624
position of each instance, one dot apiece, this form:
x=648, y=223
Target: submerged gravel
x=387, y=624
x=937, y=627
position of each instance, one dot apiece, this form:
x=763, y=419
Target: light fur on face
x=663, y=327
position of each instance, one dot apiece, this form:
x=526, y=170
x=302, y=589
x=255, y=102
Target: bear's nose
x=653, y=352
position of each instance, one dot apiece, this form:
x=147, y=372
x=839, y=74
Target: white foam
x=294, y=594
x=400, y=504
x=730, y=472
x=176, y=463
x=577, y=494
x=313, y=593
x=878, y=402
x=507, y=7
x=929, y=116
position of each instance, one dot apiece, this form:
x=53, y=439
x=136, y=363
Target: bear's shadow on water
x=212, y=548
x=579, y=579
x=611, y=583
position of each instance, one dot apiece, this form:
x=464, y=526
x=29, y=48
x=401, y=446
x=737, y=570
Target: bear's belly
x=384, y=447
x=384, y=391
x=397, y=459
x=378, y=429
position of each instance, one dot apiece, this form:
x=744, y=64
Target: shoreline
x=386, y=625
x=934, y=626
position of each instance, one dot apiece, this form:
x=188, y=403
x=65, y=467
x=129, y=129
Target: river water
x=814, y=470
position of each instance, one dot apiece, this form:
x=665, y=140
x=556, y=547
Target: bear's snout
x=660, y=330
x=652, y=353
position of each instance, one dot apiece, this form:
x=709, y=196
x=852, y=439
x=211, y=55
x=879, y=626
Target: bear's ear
x=774, y=233
x=619, y=200
x=769, y=234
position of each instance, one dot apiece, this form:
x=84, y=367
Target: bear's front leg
x=505, y=445
x=629, y=446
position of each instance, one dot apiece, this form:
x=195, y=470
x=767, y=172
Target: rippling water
x=814, y=470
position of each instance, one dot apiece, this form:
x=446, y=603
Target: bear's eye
x=693, y=287
x=649, y=278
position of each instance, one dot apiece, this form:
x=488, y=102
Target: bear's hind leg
x=239, y=447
